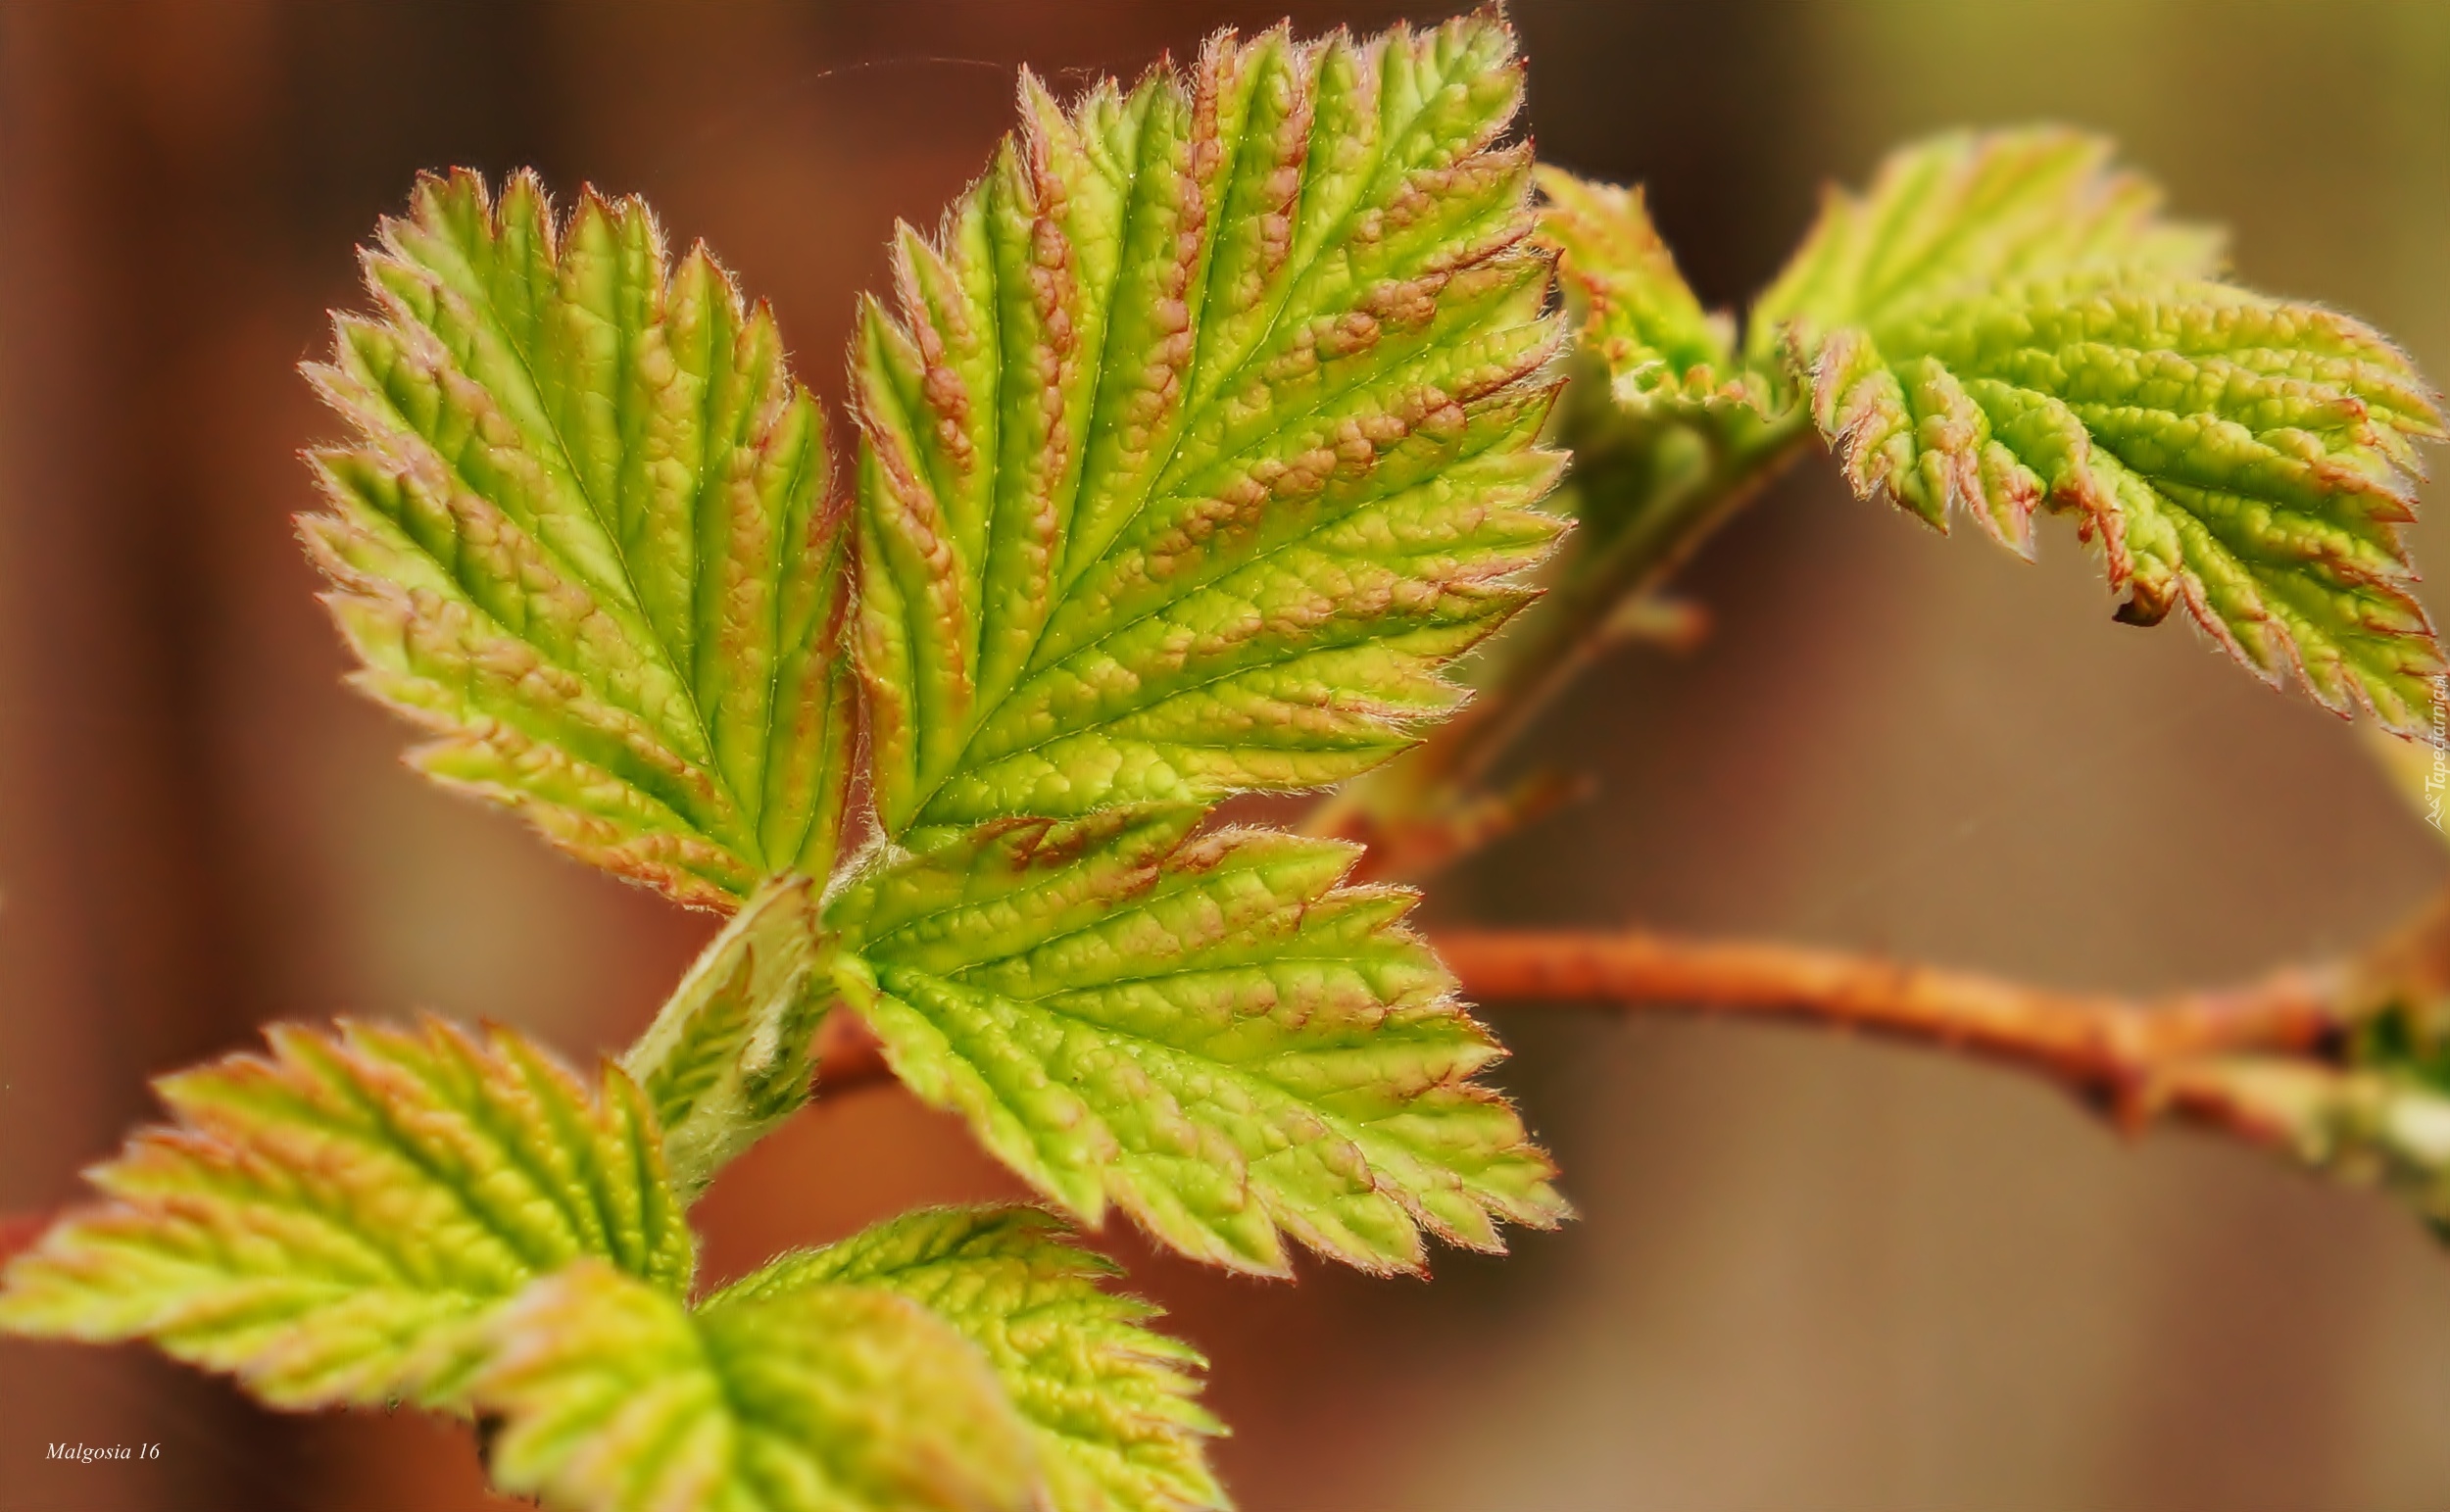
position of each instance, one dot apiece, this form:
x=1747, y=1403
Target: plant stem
x=2114, y=1050
x=1647, y=500
x=724, y=1060
x=1561, y=636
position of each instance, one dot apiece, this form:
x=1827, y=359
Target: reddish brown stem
x=2113, y=1049
x=2259, y=1099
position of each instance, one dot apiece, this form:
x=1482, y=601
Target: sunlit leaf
x=2003, y=324
x=1206, y=1030
x=1109, y=1402
x=332, y=1224
x=611, y=1396
x=1204, y=434
x=1964, y=210
x=1660, y=350
x=581, y=538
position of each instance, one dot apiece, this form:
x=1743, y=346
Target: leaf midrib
x=1191, y=689
x=979, y=716
x=636, y=605
x=1177, y=1058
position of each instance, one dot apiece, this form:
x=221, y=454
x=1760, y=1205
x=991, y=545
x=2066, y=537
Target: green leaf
x=334, y=1224
x=1660, y=350
x=1963, y=209
x=728, y=1056
x=2003, y=324
x=1108, y=1402
x=1206, y=433
x=1204, y=1030
x=581, y=538
x=614, y=1397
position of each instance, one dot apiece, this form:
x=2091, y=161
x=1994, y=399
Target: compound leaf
x=615, y=1397
x=580, y=537
x=1634, y=311
x=1110, y=1404
x=2003, y=324
x=1204, y=434
x=334, y=1224
x=1206, y=1030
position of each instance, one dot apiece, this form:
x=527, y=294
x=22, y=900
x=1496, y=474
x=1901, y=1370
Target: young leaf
x=1205, y=436
x=331, y=1223
x=1108, y=1402
x=1206, y=1031
x=1661, y=351
x=728, y=1056
x=2003, y=324
x=615, y=1397
x=581, y=538
x=1963, y=210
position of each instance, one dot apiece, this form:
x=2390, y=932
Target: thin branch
x=2115, y=1049
x=2287, y=1106
x=1658, y=502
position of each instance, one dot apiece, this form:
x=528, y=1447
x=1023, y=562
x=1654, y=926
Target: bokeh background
x=1811, y=1272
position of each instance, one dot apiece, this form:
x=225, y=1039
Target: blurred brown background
x=1811, y=1274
